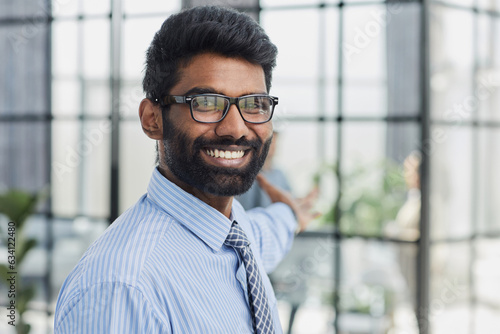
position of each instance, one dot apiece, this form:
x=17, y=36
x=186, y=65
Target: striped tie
x=261, y=314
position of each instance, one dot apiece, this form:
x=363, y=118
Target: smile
x=224, y=154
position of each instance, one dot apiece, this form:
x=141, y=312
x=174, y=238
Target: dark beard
x=188, y=166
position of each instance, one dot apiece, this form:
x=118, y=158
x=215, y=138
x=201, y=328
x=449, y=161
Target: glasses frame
x=179, y=99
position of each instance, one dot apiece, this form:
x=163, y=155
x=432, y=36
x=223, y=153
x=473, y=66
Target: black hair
x=198, y=30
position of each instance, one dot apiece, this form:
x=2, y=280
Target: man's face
x=189, y=147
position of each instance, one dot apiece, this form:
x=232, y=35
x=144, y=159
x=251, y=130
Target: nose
x=232, y=125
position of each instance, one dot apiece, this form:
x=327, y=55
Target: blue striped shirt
x=162, y=267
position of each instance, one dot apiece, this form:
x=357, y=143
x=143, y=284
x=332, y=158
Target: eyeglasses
x=212, y=108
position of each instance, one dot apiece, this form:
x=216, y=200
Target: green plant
x=370, y=196
x=17, y=206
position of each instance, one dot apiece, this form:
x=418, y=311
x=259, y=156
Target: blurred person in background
x=187, y=258
x=406, y=226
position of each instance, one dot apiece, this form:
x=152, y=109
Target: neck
x=223, y=204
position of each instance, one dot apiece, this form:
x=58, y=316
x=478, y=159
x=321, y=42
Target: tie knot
x=237, y=237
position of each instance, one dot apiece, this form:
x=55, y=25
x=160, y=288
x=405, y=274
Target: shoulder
x=114, y=265
x=110, y=307
x=120, y=254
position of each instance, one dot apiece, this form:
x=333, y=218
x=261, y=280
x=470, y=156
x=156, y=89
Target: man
x=179, y=261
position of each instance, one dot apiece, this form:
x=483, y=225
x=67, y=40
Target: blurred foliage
x=370, y=197
x=17, y=206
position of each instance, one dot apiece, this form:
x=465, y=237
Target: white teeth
x=225, y=154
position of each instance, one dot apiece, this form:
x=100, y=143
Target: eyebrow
x=207, y=90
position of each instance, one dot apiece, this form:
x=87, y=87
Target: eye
x=203, y=102
x=209, y=103
x=256, y=104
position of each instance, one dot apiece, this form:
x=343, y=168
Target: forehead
x=220, y=74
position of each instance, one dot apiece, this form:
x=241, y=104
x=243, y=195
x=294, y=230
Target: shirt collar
x=201, y=219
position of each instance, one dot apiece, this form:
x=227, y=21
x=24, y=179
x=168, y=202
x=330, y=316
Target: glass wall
x=25, y=146
x=465, y=91
x=349, y=78
x=390, y=108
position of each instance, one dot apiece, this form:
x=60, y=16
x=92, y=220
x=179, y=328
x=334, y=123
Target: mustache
x=255, y=144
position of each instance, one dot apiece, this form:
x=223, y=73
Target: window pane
x=489, y=180
x=297, y=96
x=66, y=7
x=303, y=283
x=66, y=161
x=94, y=145
x=486, y=320
x=348, y=1
x=330, y=35
x=315, y=81
x=328, y=185
x=452, y=51
x=489, y=4
x=96, y=49
x=131, y=96
x=23, y=77
x=403, y=56
x=137, y=161
x=377, y=287
x=307, y=158
x=363, y=144
x=373, y=185
x=363, y=149
x=451, y=181
x=65, y=48
x=92, y=7
x=80, y=168
x=299, y=155
x=449, y=310
x=487, y=92
x=365, y=67
x=487, y=273
x=150, y=6
x=292, y=81
x=10, y=9
x=265, y=3
x=66, y=97
x=364, y=96
x=137, y=36
x=468, y=3
x=97, y=97
x=24, y=155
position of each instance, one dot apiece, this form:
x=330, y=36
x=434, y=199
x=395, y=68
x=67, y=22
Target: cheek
x=264, y=131
x=192, y=129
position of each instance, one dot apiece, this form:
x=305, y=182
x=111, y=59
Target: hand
x=302, y=207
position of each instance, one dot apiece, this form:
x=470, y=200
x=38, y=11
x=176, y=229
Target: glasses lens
x=256, y=109
x=208, y=108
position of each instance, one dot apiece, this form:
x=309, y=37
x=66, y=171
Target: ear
x=151, y=120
